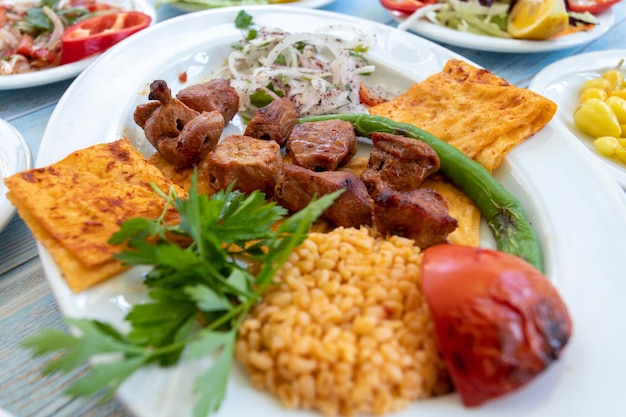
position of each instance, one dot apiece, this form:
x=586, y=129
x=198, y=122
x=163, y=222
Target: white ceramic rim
x=15, y=156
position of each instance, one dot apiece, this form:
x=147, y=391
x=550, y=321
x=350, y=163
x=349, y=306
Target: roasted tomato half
x=499, y=322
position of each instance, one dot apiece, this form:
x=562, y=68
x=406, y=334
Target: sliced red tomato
x=3, y=16
x=405, y=6
x=499, y=322
x=591, y=6
x=26, y=48
x=44, y=54
x=97, y=34
x=25, y=45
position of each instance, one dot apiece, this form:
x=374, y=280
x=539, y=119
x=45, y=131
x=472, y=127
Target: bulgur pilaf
x=346, y=330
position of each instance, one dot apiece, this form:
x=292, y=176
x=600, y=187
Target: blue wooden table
x=26, y=301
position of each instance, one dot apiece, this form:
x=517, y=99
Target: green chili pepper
x=502, y=211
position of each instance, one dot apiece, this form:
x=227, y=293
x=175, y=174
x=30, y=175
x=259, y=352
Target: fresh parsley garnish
x=200, y=287
x=243, y=20
x=252, y=34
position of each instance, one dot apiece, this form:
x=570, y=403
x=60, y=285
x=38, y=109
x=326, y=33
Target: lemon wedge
x=537, y=19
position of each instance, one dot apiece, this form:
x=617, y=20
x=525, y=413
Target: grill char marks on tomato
x=273, y=122
x=352, y=209
x=213, y=95
x=507, y=312
x=180, y=134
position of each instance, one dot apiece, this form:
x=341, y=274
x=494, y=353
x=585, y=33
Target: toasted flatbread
x=474, y=110
x=74, y=206
x=77, y=275
x=182, y=176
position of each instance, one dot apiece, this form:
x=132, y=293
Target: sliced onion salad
x=319, y=72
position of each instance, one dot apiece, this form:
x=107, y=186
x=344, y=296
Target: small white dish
x=454, y=37
x=64, y=72
x=562, y=81
x=15, y=156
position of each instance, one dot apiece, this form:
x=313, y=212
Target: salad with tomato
x=490, y=17
x=36, y=35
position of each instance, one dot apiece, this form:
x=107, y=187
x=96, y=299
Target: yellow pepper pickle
x=602, y=113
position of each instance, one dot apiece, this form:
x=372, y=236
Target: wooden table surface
x=27, y=304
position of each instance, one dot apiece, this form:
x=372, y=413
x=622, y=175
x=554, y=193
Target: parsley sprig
x=200, y=291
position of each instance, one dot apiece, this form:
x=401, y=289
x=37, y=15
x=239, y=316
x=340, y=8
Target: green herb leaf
x=207, y=341
x=93, y=339
x=252, y=34
x=136, y=230
x=206, y=299
x=161, y=322
x=52, y=4
x=280, y=60
x=239, y=281
x=260, y=98
x=108, y=376
x=37, y=20
x=215, y=379
x=243, y=20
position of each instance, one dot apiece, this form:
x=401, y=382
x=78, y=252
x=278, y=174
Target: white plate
x=573, y=203
x=307, y=4
x=562, y=82
x=15, y=156
x=63, y=72
x=489, y=43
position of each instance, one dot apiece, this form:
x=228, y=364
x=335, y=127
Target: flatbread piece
x=474, y=110
x=74, y=206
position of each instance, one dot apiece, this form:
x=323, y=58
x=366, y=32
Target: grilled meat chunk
x=144, y=111
x=196, y=140
x=253, y=164
x=172, y=114
x=273, y=122
x=398, y=163
x=322, y=146
x=216, y=94
x=298, y=186
x=180, y=134
x=421, y=215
